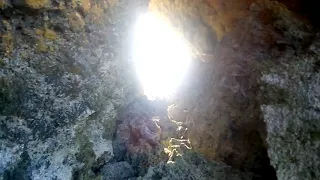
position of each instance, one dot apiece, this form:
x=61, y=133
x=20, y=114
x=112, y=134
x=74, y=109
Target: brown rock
x=223, y=112
x=138, y=130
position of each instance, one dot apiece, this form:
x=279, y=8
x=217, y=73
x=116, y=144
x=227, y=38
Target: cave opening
x=211, y=89
x=161, y=56
x=163, y=60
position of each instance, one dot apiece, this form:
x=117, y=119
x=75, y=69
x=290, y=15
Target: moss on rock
x=2, y=63
x=47, y=33
x=86, y=5
x=3, y=3
x=52, y=80
x=7, y=43
x=96, y=15
x=76, y=22
x=6, y=37
x=41, y=46
x=36, y=4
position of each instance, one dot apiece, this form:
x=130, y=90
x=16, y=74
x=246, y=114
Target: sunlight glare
x=161, y=56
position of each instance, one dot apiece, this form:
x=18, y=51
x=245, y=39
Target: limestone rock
x=194, y=166
x=118, y=171
x=62, y=81
x=138, y=131
x=235, y=42
x=293, y=124
x=138, y=135
x=251, y=99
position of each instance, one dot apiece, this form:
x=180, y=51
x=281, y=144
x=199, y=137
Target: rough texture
x=138, y=135
x=138, y=131
x=194, y=166
x=224, y=103
x=293, y=123
x=250, y=100
x=118, y=171
x=219, y=98
x=63, y=77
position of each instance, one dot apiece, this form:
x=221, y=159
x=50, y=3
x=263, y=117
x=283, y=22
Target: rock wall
x=227, y=108
x=194, y=166
x=293, y=120
x=251, y=99
x=63, y=77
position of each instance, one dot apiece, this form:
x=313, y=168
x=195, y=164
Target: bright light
x=161, y=56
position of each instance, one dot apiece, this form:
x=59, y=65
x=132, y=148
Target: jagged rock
x=194, y=166
x=251, y=97
x=293, y=124
x=218, y=103
x=118, y=171
x=138, y=135
x=236, y=41
x=138, y=131
x=62, y=82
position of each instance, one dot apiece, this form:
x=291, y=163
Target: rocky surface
x=249, y=54
x=194, y=166
x=249, y=108
x=63, y=78
x=138, y=137
x=222, y=113
x=137, y=130
x=293, y=121
x=118, y=171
